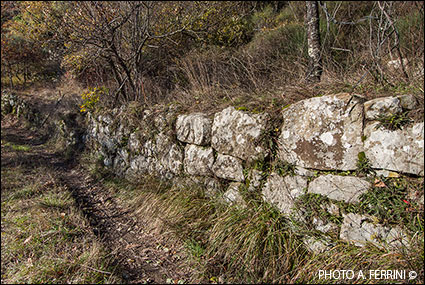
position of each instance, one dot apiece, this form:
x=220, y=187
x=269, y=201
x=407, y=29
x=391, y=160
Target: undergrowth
x=257, y=244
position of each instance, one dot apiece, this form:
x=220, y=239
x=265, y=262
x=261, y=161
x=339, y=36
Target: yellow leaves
x=91, y=97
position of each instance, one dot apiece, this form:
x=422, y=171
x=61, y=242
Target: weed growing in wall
x=313, y=206
x=284, y=168
x=393, y=121
x=388, y=201
x=363, y=164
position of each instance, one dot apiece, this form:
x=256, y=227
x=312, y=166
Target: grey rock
x=162, y=143
x=232, y=195
x=228, y=167
x=382, y=107
x=237, y=133
x=303, y=172
x=212, y=187
x=198, y=160
x=173, y=159
x=397, y=238
x=408, y=102
x=282, y=191
x=123, y=154
x=141, y=164
x=160, y=122
x=194, y=128
x=357, y=229
x=317, y=245
x=255, y=178
x=399, y=150
x=106, y=118
x=323, y=132
x=121, y=162
x=324, y=227
x=340, y=188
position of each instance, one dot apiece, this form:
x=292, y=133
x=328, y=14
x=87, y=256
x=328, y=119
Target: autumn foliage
x=148, y=50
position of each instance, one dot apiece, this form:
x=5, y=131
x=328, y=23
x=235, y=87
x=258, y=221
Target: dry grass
x=44, y=237
x=269, y=71
x=252, y=244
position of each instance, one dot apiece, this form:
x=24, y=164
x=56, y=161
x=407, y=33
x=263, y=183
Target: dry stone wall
x=321, y=141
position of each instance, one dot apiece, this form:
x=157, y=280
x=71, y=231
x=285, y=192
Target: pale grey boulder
x=198, y=160
x=357, y=229
x=340, y=188
x=323, y=132
x=194, y=128
x=282, y=192
x=408, y=102
x=382, y=107
x=238, y=133
x=398, y=150
x=228, y=167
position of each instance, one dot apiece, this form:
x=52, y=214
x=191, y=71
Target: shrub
x=91, y=98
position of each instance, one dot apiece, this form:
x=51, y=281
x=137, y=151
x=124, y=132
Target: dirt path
x=140, y=256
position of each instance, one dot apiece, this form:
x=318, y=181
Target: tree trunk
x=313, y=42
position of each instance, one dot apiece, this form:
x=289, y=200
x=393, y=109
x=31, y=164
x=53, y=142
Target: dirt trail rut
x=139, y=256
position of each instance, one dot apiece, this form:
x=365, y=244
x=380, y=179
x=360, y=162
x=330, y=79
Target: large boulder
x=323, y=132
x=238, y=134
x=194, y=128
x=340, y=188
x=283, y=191
x=398, y=150
x=198, y=160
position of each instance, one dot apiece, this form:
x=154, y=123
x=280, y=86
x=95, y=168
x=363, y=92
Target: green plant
x=312, y=205
x=91, y=98
x=16, y=147
x=284, y=168
x=195, y=248
x=388, y=201
x=393, y=121
x=363, y=164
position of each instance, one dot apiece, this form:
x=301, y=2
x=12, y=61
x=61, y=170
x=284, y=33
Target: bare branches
x=121, y=32
x=331, y=18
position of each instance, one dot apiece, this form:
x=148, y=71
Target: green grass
x=16, y=147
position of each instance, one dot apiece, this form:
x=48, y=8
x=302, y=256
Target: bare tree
x=315, y=68
x=120, y=33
